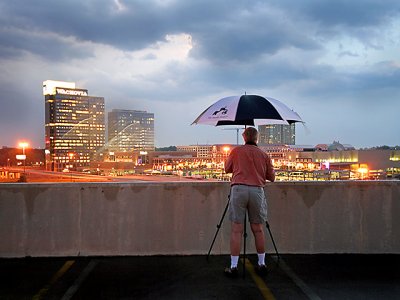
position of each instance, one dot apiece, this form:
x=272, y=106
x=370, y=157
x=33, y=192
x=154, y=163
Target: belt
x=246, y=185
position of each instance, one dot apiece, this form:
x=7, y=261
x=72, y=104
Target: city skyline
x=337, y=65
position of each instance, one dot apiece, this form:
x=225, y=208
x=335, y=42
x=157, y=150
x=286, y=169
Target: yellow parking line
x=56, y=276
x=265, y=291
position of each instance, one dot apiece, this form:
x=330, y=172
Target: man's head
x=250, y=134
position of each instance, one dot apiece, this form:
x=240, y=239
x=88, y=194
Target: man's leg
x=259, y=237
x=236, y=238
x=237, y=211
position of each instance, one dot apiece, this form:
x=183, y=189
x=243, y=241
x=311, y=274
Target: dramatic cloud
x=337, y=64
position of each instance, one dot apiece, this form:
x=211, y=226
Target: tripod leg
x=272, y=239
x=218, y=227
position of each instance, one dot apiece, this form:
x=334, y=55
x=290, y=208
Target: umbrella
x=247, y=110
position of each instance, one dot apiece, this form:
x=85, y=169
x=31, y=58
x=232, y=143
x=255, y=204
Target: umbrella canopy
x=247, y=110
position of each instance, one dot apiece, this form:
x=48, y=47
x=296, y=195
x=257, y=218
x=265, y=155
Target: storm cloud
x=329, y=61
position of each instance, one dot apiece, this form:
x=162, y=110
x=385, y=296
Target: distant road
x=37, y=175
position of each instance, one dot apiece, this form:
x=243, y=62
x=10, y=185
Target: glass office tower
x=277, y=134
x=130, y=130
x=74, y=125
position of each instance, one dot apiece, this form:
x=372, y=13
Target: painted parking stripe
x=265, y=291
x=300, y=283
x=78, y=282
x=53, y=280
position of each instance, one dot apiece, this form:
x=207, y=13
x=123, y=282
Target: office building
x=215, y=153
x=277, y=134
x=130, y=130
x=74, y=125
x=203, y=151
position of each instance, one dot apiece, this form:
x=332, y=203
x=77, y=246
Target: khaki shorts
x=247, y=198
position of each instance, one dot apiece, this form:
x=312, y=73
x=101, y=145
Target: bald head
x=250, y=134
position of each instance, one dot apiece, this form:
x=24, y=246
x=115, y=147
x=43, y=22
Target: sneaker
x=261, y=270
x=231, y=272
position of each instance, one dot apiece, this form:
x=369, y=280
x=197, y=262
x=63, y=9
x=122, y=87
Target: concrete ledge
x=71, y=219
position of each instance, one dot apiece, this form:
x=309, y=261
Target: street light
x=23, y=145
x=226, y=150
x=46, y=157
x=71, y=156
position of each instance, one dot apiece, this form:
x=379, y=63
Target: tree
x=170, y=148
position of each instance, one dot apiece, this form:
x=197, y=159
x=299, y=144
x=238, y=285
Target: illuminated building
x=74, y=125
x=277, y=134
x=203, y=151
x=130, y=130
x=278, y=153
x=216, y=153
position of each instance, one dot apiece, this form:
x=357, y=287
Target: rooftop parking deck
x=192, y=277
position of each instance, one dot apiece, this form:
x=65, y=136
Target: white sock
x=261, y=259
x=234, y=261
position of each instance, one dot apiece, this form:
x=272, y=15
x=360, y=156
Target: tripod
x=244, y=235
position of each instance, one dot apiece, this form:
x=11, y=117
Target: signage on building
x=72, y=92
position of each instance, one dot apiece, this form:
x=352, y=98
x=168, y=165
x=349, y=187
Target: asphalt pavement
x=341, y=276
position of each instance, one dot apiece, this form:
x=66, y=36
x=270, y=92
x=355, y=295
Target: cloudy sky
x=336, y=63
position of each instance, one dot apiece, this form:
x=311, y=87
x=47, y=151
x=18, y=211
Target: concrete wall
x=72, y=219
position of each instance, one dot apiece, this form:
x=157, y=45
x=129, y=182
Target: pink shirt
x=249, y=165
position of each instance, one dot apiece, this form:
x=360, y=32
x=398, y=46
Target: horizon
x=376, y=147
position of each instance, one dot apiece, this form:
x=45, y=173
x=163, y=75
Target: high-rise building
x=277, y=134
x=130, y=130
x=74, y=125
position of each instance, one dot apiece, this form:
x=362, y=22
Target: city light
x=71, y=156
x=23, y=145
x=363, y=172
x=394, y=157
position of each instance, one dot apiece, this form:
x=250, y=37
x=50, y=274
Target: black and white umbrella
x=248, y=110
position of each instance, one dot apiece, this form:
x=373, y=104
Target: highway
x=38, y=175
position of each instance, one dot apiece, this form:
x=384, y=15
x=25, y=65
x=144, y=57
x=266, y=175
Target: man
x=251, y=167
